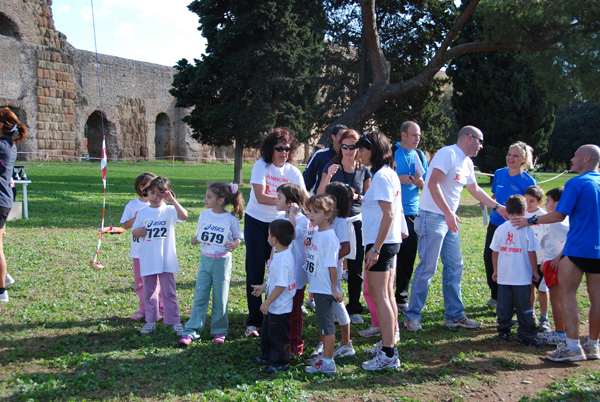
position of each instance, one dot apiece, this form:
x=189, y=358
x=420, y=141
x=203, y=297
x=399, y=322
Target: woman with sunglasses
x=382, y=234
x=272, y=170
x=346, y=167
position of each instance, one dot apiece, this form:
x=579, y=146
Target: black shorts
x=3, y=215
x=587, y=265
x=386, y=257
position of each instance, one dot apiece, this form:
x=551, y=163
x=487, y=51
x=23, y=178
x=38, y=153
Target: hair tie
x=233, y=187
x=15, y=128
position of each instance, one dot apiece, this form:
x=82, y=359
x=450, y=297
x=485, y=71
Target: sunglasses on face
x=282, y=149
x=346, y=147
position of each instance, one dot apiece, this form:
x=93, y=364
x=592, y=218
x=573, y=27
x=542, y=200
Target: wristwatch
x=496, y=206
x=532, y=220
x=374, y=250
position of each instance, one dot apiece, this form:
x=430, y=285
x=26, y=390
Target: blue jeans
x=216, y=275
x=435, y=241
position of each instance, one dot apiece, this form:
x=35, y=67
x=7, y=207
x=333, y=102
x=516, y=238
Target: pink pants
x=370, y=302
x=153, y=284
x=138, y=286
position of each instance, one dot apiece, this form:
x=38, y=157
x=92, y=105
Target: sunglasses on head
x=346, y=147
x=282, y=149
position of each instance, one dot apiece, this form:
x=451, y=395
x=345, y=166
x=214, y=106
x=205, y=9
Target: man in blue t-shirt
x=314, y=169
x=580, y=200
x=411, y=167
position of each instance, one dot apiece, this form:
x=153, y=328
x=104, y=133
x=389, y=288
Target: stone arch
x=8, y=27
x=93, y=136
x=163, y=138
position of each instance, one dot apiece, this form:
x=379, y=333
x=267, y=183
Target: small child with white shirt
x=534, y=196
x=280, y=288
x=515, y=265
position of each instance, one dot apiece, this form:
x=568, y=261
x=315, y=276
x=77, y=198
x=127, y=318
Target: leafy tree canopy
x=261, y=69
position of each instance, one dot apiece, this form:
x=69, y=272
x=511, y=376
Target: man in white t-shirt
x=436, y=224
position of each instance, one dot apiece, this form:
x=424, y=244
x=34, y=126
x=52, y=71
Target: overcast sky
x=156, y=31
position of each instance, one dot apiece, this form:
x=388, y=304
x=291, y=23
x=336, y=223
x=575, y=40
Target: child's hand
x=307, y=242
x=139, y=232
x=264, y=308
x=258, y=290
x=294, y=208
x=194, y=240
x=169, y=196
x=338, y=296
x=232, y=245
x=495, y=277
x=536, y=276
x=554, y=263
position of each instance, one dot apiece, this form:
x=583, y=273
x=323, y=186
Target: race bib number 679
x=213, y=233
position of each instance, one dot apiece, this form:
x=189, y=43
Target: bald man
x=436, y=224
x=580, y=200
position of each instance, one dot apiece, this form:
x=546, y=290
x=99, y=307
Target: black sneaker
x=504, y=337
x=272, y=368
x=533, y=341
x=260, y=360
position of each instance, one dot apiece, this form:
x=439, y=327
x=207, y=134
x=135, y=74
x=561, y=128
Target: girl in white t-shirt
x=127, y=219
x=220, y=233
x=154, y=227
x=343, y=195
x=290, y=198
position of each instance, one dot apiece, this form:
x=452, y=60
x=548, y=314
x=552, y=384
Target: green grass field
x=65, y=335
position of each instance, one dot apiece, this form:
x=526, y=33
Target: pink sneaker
x=138, y=316
x=185, y=341
x=219, y=339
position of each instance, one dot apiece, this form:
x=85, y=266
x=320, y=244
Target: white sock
x=573, y=344
x=591, y=342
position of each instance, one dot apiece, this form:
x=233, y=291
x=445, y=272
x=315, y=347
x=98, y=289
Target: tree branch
x=380, y=66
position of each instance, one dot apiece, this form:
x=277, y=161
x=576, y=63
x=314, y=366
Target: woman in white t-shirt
x=268, y=173
x=382, y=235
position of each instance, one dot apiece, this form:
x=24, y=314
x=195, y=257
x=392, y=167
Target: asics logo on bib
x=156, y=223
x=215, y=228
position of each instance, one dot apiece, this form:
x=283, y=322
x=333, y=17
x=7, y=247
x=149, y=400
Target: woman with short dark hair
x=273, y=169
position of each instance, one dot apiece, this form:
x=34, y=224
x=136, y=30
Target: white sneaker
x=356, y=319
x=413, y=325
x=304, y=310
x=375, y=349
x=310, y=304
x=178, y=328
x=318, y=350
x=551, y=338
x=463, y=322
x=148, y=328
x=382, y=362
x=591, y=352
x=402, y=307
x=9, y=280
x=562, y=354
x=344, y=350
x=4, y=297
x=321, y=367
x=370, y=332
x=251, y=330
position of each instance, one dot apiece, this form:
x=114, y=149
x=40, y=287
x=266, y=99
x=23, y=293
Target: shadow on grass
x=103, y=358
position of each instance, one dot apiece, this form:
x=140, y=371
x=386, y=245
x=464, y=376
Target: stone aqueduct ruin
x=53, y=88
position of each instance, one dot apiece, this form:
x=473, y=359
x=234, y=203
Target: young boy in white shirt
x=515, y=265
x=321, y=266
x=553, y=243
x=280, y=288
x=534, y=196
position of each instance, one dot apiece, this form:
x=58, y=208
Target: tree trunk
x=238, y=162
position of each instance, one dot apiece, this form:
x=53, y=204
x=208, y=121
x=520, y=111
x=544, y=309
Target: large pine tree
x=261, y=69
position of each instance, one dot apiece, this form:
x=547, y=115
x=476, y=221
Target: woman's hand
x=370, y=259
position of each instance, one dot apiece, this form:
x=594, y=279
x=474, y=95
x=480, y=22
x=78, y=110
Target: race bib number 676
x=311, y=262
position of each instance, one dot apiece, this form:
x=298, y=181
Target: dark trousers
x=275, y=338
x=487, y=260
x=406, y=261
x=355, y=270
x=296, y=323
x=515, y=298
x=258, y=252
